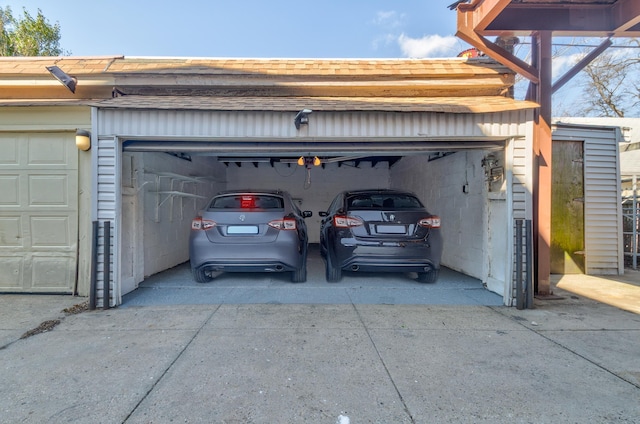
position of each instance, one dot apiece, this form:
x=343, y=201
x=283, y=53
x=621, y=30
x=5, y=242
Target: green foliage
x=28, y=36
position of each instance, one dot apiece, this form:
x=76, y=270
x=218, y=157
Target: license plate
x=242, y=229
x=391, y=229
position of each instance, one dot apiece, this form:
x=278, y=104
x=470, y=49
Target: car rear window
x=247, y=201
x=383, y=201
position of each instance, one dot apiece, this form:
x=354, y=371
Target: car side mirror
x=307, y=214
x=323, y=213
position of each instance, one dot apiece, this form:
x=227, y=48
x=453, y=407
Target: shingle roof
x=336, y=104
x=449, y=85
x=79, y=66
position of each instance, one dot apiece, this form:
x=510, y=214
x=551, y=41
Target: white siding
x=107, y=193
x=602, y=208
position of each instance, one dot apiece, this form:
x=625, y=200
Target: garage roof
x=335, y=104
x=458, y=85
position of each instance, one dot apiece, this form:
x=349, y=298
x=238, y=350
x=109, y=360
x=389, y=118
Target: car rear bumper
x=353, y=255
x=369, y=264
x=282, y=255
x=245, y=266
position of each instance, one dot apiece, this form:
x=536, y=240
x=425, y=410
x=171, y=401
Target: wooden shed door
x=567, y=208
x=38, y=212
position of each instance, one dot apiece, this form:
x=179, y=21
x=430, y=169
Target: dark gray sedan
x=381, y=231
x=249, y=231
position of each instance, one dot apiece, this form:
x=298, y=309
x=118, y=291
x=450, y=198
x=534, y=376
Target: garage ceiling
x=252, y=153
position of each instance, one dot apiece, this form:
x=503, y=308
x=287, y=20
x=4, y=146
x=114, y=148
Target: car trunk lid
x=242, y=226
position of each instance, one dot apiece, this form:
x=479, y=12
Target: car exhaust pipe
x=354, y=267
x=279, y=268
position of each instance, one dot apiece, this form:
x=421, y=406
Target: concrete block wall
x=325, y=183
x=167, y=226
x=453, y=188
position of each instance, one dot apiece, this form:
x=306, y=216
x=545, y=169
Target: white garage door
x=38, y=212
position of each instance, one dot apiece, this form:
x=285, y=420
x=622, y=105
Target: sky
x=263, y=29
x=252, y=28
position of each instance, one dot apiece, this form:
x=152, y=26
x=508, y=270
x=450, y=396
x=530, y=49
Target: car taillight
x=247, y=202
x=342, y=221
x=431, y=222
x=284, y=224
x=202, y=224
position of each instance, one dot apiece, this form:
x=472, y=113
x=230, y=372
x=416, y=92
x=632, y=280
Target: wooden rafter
x=626, y=16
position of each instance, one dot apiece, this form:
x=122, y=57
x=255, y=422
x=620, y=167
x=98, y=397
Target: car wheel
x=201, y=275
x=428, y=277
x=299, y=275
x=334, y=273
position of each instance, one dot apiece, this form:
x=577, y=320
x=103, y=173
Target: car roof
x=377, y=191
x=250, y=191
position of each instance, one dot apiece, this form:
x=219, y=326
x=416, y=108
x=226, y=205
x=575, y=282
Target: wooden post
x=543, y=163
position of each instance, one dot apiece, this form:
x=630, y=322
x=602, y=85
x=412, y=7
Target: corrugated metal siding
x=269, y=125
x=603, y=212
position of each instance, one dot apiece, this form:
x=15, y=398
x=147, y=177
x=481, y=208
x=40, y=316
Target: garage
x=177, y=132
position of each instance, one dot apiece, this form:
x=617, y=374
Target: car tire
x=299, y=275
x=428, y=277
x=333, y=273
x=200, y=275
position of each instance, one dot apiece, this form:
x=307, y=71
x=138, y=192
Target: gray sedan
x=249, y=231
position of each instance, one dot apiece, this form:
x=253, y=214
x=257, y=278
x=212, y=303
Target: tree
x=28, y=36
x=611, y=83
x=608, y=87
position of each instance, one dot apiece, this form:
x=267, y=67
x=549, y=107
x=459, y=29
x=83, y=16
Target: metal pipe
x=94, y=267
x=107, y=265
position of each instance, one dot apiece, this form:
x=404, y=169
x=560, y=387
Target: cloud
x=429, y=46
x=389, y=19
x=383, y=41
x=561, y=64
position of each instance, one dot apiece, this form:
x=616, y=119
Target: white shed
x=597, y=160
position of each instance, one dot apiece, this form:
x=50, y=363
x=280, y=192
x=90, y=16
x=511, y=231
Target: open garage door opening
x=166, y=183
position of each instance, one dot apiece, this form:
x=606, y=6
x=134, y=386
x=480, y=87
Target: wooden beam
x=596, y=20
x=496, y=52
x=625, y=15
x=483, y=13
